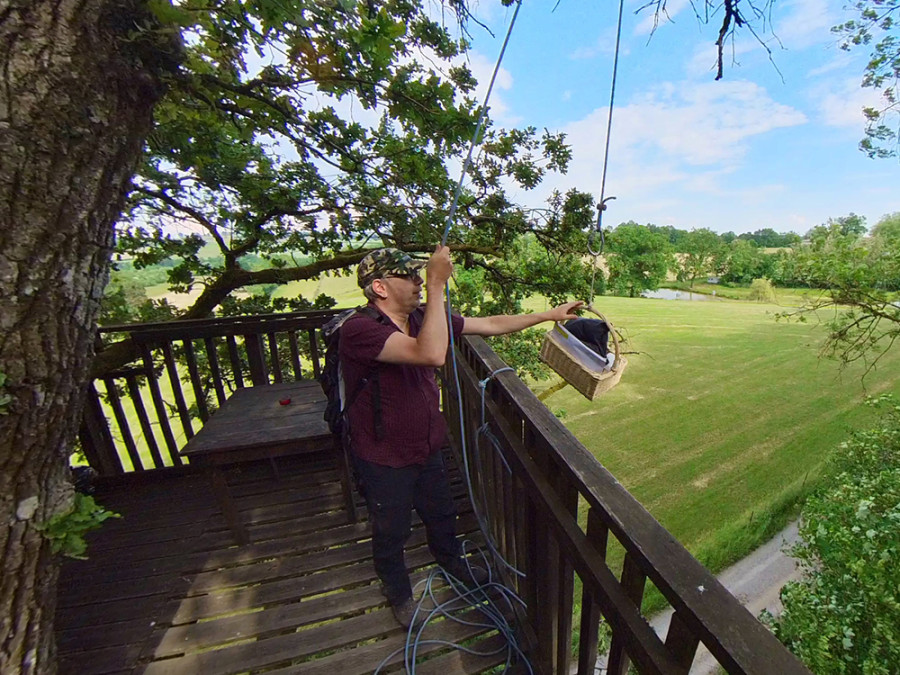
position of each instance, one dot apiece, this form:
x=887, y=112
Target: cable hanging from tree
x=579, y=353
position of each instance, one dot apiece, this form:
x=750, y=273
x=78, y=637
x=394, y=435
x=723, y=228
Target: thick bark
x=75, y=104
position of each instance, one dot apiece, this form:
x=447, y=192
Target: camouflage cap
x=379, y=264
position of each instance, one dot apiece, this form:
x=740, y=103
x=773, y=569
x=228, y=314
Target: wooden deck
x=166, y=591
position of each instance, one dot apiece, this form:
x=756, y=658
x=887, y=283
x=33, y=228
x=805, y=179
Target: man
x=395, y=422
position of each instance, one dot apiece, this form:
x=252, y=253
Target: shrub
x=842, y=616
x=762, y=290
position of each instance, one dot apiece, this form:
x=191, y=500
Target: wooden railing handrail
x=220, y=354
x=552, y=473
x=229, y=325
x=738, y=641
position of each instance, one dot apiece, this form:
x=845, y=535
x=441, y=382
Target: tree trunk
x=75, y=105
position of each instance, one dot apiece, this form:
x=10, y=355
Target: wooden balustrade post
x=96, y=438
x=633, y=582
x=162, y=413
x=213, y=357
x=235, y=358
x=295, y=355
x=681, y=642
x=589, y=632
x=275, y=358
x=314, y=352
x=257, y=359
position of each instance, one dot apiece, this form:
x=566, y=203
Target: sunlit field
x=723, y=417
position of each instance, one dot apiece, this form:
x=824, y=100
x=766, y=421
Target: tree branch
x=120, y=353
x=192, y=212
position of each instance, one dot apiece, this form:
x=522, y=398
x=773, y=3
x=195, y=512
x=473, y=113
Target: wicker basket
x=580, y=366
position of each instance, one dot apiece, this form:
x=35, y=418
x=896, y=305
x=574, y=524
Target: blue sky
x=767, y=146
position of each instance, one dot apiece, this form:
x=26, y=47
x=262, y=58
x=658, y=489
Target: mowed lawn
x=722, y=420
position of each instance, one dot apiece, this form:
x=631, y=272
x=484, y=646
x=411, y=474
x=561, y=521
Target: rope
x=475, y=598
x=481, y=600
x=612, y=100
x=481, y=523
x=601, y=207
x=484, y=108
x=482, y=430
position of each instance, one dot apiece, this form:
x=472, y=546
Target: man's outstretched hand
x=565, y=312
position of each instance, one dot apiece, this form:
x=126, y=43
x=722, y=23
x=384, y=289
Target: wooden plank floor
x=166, y=591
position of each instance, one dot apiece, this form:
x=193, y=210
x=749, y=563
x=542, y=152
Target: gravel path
x=755, y=581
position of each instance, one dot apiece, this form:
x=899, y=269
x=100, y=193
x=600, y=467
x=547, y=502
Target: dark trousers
x=391, y=494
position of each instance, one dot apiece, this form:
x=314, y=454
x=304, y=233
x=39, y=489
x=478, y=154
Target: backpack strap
x=376, y=405
x=372, y=376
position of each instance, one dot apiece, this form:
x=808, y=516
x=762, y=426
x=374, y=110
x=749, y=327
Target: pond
x=672, y=294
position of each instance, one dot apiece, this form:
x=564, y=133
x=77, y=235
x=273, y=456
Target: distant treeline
x=765, y=238
x=641, y=257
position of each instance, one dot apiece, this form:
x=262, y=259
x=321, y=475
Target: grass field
x=788, y=297
x=722, y=419
x=342, y=288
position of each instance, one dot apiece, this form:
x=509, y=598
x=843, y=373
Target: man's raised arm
x=502, y=324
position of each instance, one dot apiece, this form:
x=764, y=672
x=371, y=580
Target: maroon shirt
x=410, y=399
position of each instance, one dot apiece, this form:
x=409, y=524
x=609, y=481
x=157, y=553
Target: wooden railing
x=138, y=417
x=553, y=512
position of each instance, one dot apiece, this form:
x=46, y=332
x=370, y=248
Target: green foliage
x=638, y=259
x=852, y=226
x=741, y=262
x=530, y=267
x=769, y=238
x=700, y=248
x=65, y=531
x=761, y=290
x=764, y=238
x=531, y=264
x=860, y=277
x=887, y=231
x=260, y=144
x=672, y=234
x=875, y=26
x=5, y=398
x=522, y=351
x=841, y=617
x=124, y=299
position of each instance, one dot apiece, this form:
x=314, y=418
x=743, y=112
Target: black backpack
x=330, y=378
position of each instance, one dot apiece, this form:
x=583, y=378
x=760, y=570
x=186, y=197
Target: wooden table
x=265, y=422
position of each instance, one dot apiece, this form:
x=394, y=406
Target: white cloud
x=700, y=124
x=604, y=45
x=680, y=140
x=482, y=68
x=838, y=111
x=650, y=17
x=840, y=61
x=805, y=23
x=838, y=103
